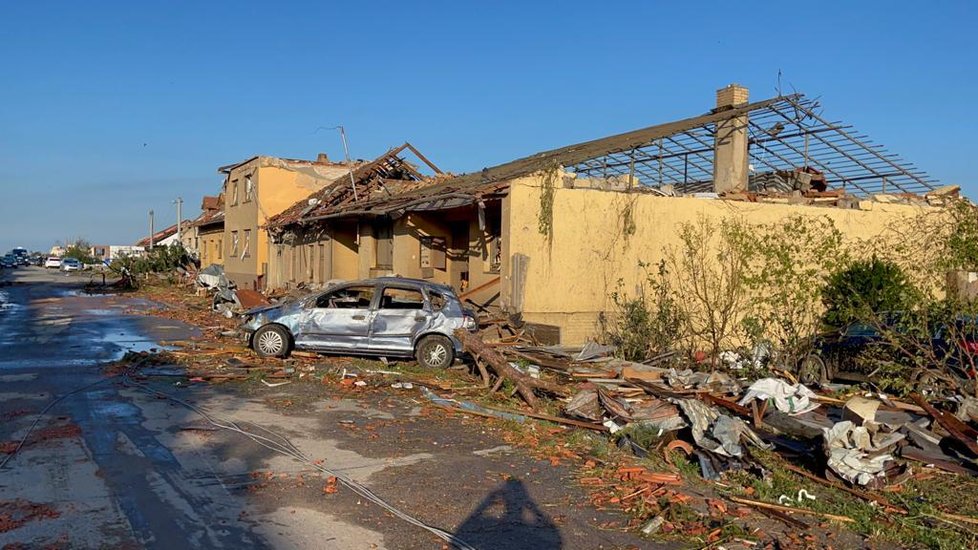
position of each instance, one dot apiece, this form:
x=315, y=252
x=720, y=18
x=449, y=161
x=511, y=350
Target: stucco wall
x=568, y=282
x=278, y=184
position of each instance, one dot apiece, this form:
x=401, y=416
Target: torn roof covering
x=786, y=134
x=383, y=178
x=208, y=217
x=158, y=236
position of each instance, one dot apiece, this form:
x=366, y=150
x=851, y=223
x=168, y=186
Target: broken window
x=354, y=297
x=234, y=192
x=433, y=252
x=438, y=301
x=234, y=244
x=493, y=252
x=246, y=252
x=384, y=236
x=401, y=298
x=249, y=189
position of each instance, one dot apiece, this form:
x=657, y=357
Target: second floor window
x=234, y=192
x=249, y=189
x=246, y=251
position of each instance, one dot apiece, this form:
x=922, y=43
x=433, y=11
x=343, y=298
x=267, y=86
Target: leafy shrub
x=864, y=289
x=647, y=324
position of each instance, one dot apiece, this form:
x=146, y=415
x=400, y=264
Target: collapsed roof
x=385, y=177
x=785, y=134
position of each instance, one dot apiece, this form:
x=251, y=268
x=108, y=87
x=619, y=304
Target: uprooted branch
x=486, y=355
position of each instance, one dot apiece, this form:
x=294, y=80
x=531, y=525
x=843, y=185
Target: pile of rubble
x=859, y=444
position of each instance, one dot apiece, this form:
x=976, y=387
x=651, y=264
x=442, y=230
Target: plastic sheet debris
x=854, y=455
x=715, y=432
x=790, y=399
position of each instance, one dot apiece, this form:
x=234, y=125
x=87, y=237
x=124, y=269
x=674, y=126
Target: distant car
x=71, y=264
x=53, y=262
x=386, y=317
x=8, y=262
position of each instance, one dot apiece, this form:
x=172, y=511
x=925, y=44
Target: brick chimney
x=730, y=163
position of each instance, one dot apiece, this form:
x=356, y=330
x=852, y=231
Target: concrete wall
x=568, y=283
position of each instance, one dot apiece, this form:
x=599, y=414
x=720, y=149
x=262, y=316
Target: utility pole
x=152, y=230
x=179, y=203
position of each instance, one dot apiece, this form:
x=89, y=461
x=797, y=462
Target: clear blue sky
x=109, y=109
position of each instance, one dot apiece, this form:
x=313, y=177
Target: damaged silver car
x=388, y=317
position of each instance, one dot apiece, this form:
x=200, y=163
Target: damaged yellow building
x=548, y=237
x=255, y=190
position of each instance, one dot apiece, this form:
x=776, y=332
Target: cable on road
x=281, y=444
x=37, y=418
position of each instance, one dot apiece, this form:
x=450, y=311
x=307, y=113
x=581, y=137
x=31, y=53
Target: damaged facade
x=550, y=236
x=255, y=190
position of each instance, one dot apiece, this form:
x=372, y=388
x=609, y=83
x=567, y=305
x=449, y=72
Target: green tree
x=864, y=289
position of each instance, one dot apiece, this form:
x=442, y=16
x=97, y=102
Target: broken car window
x=401, y=298
x=356, y=297
x=437, y=300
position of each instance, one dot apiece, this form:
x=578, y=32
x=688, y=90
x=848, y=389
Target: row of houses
x=551, y=235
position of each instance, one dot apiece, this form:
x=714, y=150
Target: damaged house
x=552, y=235
x=255, y=190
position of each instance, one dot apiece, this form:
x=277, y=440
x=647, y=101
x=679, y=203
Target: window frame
x=425, y=304
x=370, y=306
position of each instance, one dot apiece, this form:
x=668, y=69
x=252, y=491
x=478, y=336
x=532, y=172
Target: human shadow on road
x=508, y=518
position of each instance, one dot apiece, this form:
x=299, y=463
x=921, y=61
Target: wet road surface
x=111, y=466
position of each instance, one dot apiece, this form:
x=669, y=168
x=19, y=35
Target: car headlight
x=469, y=323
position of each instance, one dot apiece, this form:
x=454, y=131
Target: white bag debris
x=787, y=398
x=852, y=453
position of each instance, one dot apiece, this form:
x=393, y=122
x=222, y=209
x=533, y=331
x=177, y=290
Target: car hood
x=262, y=309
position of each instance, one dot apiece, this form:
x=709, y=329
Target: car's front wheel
x=812, y=370
x=435, y=352
x=272, y=341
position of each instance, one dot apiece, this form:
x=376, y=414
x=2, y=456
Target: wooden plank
x=483, y=286
x=958, y=430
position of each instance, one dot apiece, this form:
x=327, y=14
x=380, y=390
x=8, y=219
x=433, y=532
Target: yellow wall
x=278, y=184
x=210, y=247
x=569, y=284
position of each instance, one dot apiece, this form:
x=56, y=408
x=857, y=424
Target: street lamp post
x=179, y=203
x=152, y=230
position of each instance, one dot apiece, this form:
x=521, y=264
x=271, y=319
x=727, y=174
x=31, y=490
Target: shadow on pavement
x=508, y=518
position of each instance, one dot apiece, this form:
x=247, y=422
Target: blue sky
x=110, y=109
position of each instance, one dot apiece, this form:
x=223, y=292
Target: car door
x=338, y=319
x=402, y=311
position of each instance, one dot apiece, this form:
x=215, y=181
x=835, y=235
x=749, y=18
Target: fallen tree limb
x=789, y=509
x=890, y=507
x=525, y=385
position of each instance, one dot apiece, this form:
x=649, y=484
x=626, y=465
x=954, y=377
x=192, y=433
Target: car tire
x=812, y=370
x=272, y=341
x=435, y=352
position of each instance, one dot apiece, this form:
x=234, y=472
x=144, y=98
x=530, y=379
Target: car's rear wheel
x=812, y=370
x=435, y=352
x=272, y=341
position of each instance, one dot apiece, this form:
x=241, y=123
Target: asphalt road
x=112, y=466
